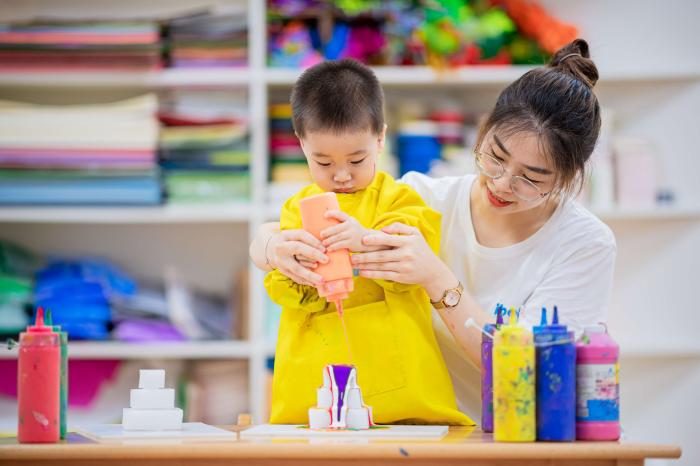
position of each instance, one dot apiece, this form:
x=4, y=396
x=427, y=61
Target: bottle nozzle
x=39, y=321
x=555, y=318
x=47, y=319
x=543, y=319
x=39, y=325
x=500, y=310
x=513, y=320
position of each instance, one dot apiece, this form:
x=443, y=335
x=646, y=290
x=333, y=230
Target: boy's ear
x=382, y=137
x=301, y=141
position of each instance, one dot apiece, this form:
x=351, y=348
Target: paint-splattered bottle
x=487, y=370
x=556, y=380
x=39, y=384
x=63, y=338
x=513, y=383
x=597, y=386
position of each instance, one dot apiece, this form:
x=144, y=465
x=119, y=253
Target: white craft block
x=324, y=397
x=358, y=418
x=319, y=418
x=152, y=398
x=150, y=419
x=354, y=400
x=152, y=378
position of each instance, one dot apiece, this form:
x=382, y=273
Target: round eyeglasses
x=523, y=188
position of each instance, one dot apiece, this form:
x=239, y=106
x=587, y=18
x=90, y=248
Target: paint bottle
x=63, y=392
x=513, y=383
x=487, y=370
x=555, y=352
x=597, y=385
x=337, y=272
x=38, y=390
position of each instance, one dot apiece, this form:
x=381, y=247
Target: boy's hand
x=347, y=234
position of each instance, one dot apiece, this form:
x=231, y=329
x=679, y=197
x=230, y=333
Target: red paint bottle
x=39, y=376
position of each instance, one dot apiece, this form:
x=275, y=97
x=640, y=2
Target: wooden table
x=462, y=446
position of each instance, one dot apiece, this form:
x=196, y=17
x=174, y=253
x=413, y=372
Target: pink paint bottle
x=337, y=272
x=597, y=385
x=39, y=379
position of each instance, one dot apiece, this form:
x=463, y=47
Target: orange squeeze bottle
x=337, y=272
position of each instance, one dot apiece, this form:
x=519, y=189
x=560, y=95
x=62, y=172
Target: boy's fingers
x=334, y=230
x=342, y=244
x=334, y=239
x=337, y=214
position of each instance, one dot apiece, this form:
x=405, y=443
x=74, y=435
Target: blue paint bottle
x=555, y=352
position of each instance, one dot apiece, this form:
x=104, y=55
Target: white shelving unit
x=259, y=81
x=163, y=350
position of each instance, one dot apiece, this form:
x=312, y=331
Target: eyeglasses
x=523, y=188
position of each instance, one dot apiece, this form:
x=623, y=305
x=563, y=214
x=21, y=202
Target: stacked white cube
x=327, y=414
x=152, y=406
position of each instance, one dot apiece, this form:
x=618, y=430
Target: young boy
x=338, y=116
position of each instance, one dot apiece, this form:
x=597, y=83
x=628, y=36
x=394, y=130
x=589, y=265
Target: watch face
x=452, y=298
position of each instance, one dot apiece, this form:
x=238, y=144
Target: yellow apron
x=399, y=366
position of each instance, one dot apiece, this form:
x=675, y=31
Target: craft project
x=152, y=405
x=339, y=401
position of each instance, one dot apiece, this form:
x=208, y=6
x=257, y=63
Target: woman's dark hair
x=557, y=104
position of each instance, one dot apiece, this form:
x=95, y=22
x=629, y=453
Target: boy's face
x=342, y=163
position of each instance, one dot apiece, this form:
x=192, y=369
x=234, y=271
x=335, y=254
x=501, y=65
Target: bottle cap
x=596, y=328
x=39, y=326
x=336, y=290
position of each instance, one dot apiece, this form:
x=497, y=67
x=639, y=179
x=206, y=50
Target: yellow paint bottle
x=514, y=383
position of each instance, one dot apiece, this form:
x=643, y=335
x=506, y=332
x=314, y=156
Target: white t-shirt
x=568, y=262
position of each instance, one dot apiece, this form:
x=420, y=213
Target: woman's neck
x=501, y=230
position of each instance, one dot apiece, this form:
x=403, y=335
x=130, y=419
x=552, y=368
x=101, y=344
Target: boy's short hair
x=337, y=96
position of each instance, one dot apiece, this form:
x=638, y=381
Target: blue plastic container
x=555, y=352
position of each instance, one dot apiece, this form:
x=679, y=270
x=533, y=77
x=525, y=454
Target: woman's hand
x=408, y=260
x=296, y=253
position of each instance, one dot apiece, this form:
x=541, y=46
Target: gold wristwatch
x=450, y=298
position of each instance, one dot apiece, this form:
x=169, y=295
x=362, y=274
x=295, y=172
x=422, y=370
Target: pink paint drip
x=339, y=307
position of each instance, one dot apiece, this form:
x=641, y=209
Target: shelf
x=481, y=75
x=242, y=213
x=420, y=75
x=202, y=77
x=155, y=350
x=478, y=75
x=190, y=213
x=661, y=213
x=683, y=351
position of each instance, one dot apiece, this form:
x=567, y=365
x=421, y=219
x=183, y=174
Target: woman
x=512, y=235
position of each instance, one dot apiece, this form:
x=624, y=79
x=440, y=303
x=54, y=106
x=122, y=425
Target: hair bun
x=574, y=59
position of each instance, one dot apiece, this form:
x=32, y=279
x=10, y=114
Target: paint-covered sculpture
x=340, y=404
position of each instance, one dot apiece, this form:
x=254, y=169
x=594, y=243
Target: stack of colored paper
x=204, y=147
x=79, y=154
x=79, y=45
x=208, y=40
x=287, y=163
x=17, y=266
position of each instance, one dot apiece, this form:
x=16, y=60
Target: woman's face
x=520, y=155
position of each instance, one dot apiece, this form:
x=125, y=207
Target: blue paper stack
x=78, y=293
